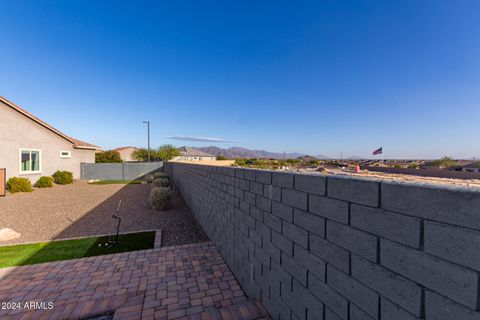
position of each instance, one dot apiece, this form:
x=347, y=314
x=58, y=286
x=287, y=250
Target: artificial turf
x=24, y=254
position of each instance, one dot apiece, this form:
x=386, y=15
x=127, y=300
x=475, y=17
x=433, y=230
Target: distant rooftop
x=123, y=148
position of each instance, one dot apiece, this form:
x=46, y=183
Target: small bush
x=160, y=198
x=15, y=184
x=44, y=182
x=63, y=177
x=159, y=175
x=109, y=156
x=161, y=183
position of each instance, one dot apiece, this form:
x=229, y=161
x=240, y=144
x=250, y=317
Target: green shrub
x=160, y=198
x=109, y=156
x=161, y=182
x=15, y=184
x=63, y=177
x=44, y=182
x=159, y=175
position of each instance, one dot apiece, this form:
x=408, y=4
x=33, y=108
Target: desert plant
x=167, y=152
x=413, y=165
x=63, y=177
x=240, y=162
x=15, y=184
x=160, y=198
x=44, y=182
x=109, y=156
x=159, y=175
x=220, y=157
x=161, y=182
x=444, y=163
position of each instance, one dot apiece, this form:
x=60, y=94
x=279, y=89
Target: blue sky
x=319, y=77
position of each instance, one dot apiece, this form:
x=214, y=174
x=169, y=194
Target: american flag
x=378, y=151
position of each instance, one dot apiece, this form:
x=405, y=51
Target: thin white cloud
x=201, y=139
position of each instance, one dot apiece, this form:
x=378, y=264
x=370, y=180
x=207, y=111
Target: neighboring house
x=473, y=166
x=192, y=154
x=126, y=153
x=31, y=148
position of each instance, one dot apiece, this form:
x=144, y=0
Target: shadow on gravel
x=178, y=225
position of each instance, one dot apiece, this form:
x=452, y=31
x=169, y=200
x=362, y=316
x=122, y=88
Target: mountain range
x=239, y=152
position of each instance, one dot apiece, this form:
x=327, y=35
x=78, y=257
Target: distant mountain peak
x=241, y=152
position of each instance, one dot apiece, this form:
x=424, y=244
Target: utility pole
x=148, y=137
x=341, y=156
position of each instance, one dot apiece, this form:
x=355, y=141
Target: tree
x=414, y=165
x=167, y=152
x=293, y=161
x=142, y=154
x=443, y=163
x=109, y=156
x=220, y=157
x=240, y=162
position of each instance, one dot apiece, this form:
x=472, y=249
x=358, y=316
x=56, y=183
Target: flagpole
x=383, y=162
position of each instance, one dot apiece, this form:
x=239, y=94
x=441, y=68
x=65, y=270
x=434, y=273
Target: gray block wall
x=329, y=247
x=118, y=171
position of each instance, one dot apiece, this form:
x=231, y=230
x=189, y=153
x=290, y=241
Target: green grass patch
x=24, y=254
x=116, y=182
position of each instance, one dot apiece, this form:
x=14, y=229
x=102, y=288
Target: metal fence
x=118, y=171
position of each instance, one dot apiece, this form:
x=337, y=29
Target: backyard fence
x=118, y=171
x=328, y=247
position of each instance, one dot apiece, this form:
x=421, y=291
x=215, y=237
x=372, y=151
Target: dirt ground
x=81, y=209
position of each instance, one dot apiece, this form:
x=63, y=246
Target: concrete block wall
x=118, y=171
x=329, y=247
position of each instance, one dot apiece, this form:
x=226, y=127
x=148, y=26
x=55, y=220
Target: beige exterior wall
x=197, y=158
x=126, y=154
x=19, y=132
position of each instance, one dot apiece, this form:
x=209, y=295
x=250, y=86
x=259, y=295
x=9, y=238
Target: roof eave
x=87, y=148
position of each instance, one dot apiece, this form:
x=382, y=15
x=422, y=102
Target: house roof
x=78, y=144
x=473, y=164
x=123, y=148
x=464, y=163
x=193, y=152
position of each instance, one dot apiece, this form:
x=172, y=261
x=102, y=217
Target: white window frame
x=67, y=156
x=20, y=171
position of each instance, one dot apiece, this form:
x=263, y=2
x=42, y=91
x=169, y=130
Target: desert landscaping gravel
x=81, y=209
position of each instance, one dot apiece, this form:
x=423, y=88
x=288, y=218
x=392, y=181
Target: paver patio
x=180, y=282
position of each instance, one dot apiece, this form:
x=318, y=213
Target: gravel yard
x=80, y=209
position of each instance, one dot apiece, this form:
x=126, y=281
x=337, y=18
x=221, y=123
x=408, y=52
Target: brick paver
x=181, y=282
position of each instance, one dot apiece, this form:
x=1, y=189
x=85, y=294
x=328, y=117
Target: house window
x=65, y=154
x=30, y=161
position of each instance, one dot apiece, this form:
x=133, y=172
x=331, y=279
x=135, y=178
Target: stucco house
x=126, y=153
x=473, y=166
x=192, y=154
x=31, y=148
